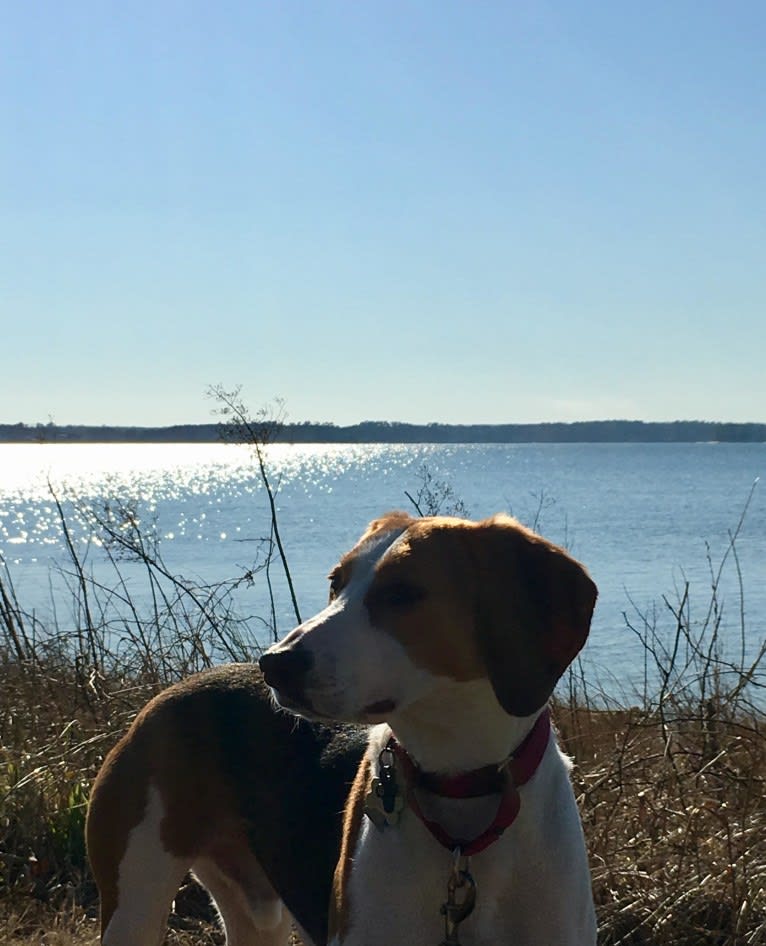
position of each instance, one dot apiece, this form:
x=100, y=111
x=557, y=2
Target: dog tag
x=383, y=803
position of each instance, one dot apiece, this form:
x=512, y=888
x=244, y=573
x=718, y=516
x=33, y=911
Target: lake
x=644, y=518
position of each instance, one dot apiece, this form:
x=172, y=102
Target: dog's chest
x=532, y=883
x=399, y=884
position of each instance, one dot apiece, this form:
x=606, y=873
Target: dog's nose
x=284, y=669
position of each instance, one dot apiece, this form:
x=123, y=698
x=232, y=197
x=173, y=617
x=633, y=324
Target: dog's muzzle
x=285, y=672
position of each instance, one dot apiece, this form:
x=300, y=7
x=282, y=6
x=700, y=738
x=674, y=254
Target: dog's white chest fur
x=532, y=884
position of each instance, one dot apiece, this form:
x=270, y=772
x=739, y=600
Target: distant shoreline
x=601, y=431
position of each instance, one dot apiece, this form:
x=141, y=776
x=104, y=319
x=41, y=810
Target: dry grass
x=35, y=924
x=675, y=818
x=674, y=812
x=32, y=924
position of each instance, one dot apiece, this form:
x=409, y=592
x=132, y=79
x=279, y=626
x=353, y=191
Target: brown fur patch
x=491, y=598
x=155, y=750
x=432, y=561
x=389, y=522
x=340, y=907
x=341, y=573
x=116, y=806
x=533, y=611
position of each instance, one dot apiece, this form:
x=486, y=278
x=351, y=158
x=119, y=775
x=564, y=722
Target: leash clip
x=454, y=911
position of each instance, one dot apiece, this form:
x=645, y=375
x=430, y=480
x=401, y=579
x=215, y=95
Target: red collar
x=504, y=779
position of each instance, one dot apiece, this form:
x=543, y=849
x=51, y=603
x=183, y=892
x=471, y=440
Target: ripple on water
x=167, y=480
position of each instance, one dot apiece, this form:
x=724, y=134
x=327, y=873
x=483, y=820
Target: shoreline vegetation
x=671, y=784
x=601, y=431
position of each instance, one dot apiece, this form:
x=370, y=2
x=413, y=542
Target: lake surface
x=644, y=518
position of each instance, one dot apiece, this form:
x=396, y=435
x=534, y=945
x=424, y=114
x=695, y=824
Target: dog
x=417, y=796
x=448, y=637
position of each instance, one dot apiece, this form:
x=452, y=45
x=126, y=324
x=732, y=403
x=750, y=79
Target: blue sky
x=425, y=211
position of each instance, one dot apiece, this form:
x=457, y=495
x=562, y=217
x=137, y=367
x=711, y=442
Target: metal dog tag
x=382, y=807
x=383, y=803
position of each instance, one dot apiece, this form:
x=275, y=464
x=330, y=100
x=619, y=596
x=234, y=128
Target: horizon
x=402, y=423
x=542, y=212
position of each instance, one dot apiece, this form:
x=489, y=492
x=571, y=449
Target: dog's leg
x=251, y=912
x=148, y=880
x=137, y=885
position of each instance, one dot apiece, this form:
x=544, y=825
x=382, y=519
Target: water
x=643, y=517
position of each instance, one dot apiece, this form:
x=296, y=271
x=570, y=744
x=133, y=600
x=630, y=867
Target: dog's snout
x=284, y=670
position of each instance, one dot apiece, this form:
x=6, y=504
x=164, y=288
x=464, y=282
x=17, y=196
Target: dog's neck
x=460, y=727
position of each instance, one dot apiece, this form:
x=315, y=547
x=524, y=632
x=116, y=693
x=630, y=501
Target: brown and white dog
x=451, y=636
x=447, y=638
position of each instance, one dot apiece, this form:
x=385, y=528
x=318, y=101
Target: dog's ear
x=534, y=605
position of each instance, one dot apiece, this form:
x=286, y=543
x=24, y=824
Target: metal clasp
x=453, y=910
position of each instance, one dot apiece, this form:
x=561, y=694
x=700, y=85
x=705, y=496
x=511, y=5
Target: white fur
x=148, y=879
x=533, y=884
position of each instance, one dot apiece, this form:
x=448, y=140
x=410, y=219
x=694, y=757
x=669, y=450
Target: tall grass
x=671, y=784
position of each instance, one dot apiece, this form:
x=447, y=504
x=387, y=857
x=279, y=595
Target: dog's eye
x=400, y=594
x=336, y=583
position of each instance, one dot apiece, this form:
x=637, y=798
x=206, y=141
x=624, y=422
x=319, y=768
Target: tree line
x=601, y=431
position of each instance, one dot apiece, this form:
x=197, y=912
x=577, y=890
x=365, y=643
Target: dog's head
x=420, y=601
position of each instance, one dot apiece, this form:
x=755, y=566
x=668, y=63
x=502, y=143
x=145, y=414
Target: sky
x=424, y=211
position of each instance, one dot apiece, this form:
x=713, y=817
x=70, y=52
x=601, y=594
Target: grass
x=671, y=785
x=676, y=824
